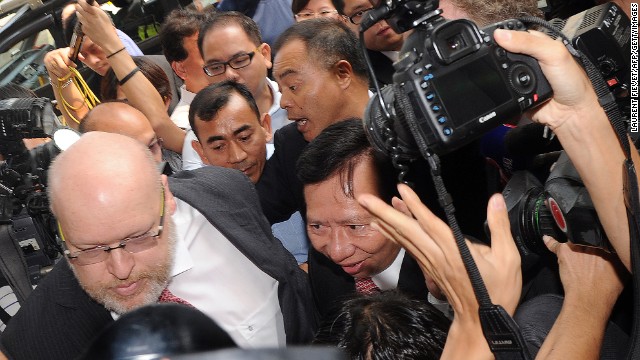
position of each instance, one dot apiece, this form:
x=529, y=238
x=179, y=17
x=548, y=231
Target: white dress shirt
x=214, y=276
x=180, y=114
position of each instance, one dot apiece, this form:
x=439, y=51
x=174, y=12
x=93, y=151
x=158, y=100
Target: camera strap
x=501, y=331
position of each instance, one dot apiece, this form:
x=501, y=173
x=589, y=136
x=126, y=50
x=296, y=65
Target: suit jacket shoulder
x=58, y=320
x=228, y=200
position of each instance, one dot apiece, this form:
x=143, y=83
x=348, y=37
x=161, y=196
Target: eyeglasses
x=310, y=14
x=238, y=61
x=356, y=18
x=132, y=245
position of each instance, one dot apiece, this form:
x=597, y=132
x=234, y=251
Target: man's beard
x=155, y=280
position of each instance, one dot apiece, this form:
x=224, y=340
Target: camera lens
x=456, y=42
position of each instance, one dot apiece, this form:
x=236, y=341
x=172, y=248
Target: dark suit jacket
x=59, y=319
x=331, y=285
x=279, y=188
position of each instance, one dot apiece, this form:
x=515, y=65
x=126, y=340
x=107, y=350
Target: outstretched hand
x=431, y=242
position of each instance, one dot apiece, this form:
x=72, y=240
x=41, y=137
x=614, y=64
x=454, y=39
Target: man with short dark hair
x=232, y=49
x=229, y=128
x=323, y=79
x=179, y=39
x=351, y=256
x=232, y=133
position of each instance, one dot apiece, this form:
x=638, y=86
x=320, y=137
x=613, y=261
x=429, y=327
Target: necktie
x=167, y=296
x=366, y=286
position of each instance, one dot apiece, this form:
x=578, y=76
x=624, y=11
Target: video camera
x=24, y=207
x=561, y=208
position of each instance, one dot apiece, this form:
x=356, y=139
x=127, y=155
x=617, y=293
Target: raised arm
x=58, y=66
x=139, y=90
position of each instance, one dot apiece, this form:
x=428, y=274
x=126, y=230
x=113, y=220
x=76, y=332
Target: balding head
x=121, y=118
x=101, y=170
x=105, y=191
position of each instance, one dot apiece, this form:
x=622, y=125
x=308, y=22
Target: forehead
x=224, y=41
x=332, y=193
x=233, y=115
x=320, y=4
x=293, y=58
x=351, y=6
x=89, y=45
x=190, y=44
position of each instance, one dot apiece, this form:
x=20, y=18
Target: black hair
x=229, y=18
x=336, y=151
x=298, y=5
x=178, y=25
x=210, y=100
x=327, y=41
x=388, y=325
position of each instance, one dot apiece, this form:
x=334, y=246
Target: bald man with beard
x=131, y=242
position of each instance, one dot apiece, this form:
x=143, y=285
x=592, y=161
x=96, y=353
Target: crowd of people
x=278, y=220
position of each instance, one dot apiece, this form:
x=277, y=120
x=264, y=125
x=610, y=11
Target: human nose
x=120, y=263
x=285, y=101
x=236, y=153
x=340, y=246
x=231, y=73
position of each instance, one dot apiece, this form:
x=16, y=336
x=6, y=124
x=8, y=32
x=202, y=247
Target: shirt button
x=250, y=328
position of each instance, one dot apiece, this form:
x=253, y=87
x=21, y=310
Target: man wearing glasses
x=232, y=49
x=139, y=237
x=381, y=41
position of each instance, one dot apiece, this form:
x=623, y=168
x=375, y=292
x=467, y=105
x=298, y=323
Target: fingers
x=502, y=242
x=531, y=43
x=551, y=244
x=57, y=63
x=400, y=206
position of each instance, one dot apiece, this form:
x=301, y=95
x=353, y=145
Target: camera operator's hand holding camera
x=583, y=129
x=592, y=280
x=431, y=242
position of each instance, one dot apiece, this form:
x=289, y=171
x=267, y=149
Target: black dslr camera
x=452, y=82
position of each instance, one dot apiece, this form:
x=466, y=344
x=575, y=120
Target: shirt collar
x=388, y=279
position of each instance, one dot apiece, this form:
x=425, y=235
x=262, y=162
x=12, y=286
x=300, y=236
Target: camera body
x=603, y=34
x=459, y=84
